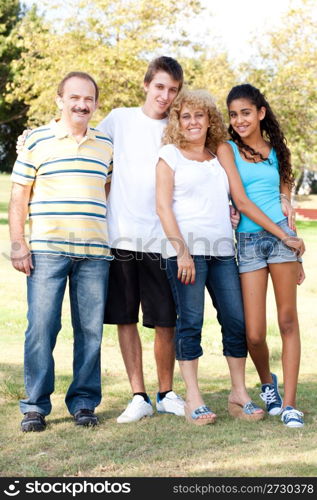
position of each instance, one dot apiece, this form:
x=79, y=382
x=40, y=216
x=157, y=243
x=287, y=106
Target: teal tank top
x=261, y=182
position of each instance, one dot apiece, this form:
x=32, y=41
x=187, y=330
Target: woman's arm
x=246, y=206
x=164, y=208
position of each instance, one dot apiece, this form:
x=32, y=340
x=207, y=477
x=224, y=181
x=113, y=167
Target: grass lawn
x=162, y=445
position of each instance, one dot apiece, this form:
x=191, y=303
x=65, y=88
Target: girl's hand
x=296, y=244
x=186, y=269
x=289, y=212
x=301, y=274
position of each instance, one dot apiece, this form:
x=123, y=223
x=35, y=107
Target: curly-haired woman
x=192, y=202
x=258, y=150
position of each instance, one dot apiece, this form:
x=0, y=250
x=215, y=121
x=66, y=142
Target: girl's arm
x=164, y=209
x=246, y=206
x=287, y=208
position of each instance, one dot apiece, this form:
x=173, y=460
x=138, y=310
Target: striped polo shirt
x=67, y=207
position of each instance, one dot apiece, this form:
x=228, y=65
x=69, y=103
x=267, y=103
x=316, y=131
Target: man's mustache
x=80, y=110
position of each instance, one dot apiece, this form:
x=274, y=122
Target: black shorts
x=139, y=278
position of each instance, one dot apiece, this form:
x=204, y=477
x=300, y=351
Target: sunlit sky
x=234, y=22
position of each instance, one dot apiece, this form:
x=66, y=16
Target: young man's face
x=78, y=102
x=160, y=94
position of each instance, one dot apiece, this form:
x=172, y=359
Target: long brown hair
x=270, y=129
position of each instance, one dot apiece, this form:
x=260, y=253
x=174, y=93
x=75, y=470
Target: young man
x=136, y=274
x=59, y=179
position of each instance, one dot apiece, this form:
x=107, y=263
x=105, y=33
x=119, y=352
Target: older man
x=59, y=180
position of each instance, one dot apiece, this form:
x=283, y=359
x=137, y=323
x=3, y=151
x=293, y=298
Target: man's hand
x=234, y=217
x=21, y=140
x=20, y=257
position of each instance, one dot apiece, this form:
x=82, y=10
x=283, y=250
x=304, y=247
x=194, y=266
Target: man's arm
x=18, y=209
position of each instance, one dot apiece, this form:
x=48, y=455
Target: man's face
x=160, y=94
x=78, y=102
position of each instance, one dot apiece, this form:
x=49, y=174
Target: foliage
x=110, y=39
x=288, y=74
x=114, y=40
x=212, y=73
x=13, y=113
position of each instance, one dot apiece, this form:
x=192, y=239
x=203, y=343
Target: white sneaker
x=136, y=409
x=171, y=403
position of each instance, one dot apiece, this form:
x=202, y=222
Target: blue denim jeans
x=220, y=276
x=88, y=283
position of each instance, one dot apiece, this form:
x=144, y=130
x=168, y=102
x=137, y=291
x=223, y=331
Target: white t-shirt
x=132, y=220
x=200, y=204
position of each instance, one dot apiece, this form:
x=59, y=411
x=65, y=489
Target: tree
x=213, y=73
x=288, y=76
x=112, y=40
x=13, y=113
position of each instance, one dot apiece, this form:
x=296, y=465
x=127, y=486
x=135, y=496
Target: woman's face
x=245, y=117
x=194, y=123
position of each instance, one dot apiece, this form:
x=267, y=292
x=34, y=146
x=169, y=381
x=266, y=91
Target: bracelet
x=282, y=195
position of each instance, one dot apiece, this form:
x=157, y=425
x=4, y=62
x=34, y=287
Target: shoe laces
x=293, y=413
x=269, y=395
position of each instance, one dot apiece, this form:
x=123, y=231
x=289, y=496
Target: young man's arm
x=18, y=209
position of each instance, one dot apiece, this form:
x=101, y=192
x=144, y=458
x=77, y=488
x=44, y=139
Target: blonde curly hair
x=195, y=99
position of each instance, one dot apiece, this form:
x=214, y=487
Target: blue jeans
x=220, y=276
x=88, y=283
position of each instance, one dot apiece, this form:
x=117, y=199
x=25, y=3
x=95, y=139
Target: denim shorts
x=259, y=249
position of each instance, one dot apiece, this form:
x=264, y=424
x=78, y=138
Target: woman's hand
x=295, y=243
x=186, y=269
x=301, y=274
x=289, y=212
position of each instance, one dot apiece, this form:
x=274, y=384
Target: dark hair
x=77, y=74
x=269, y=126
x=167, y=64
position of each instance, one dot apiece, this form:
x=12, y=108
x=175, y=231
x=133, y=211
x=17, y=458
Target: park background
x=114, y=41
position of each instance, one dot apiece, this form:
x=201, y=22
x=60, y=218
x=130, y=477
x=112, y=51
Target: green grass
x=162, y=445
x=308, y=226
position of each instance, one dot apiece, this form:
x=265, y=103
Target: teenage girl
x=258, y=150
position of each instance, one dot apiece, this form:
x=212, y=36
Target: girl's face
x=194, y=123
x=245, y=117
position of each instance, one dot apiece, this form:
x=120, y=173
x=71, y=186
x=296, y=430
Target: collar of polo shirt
x=61, y=132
